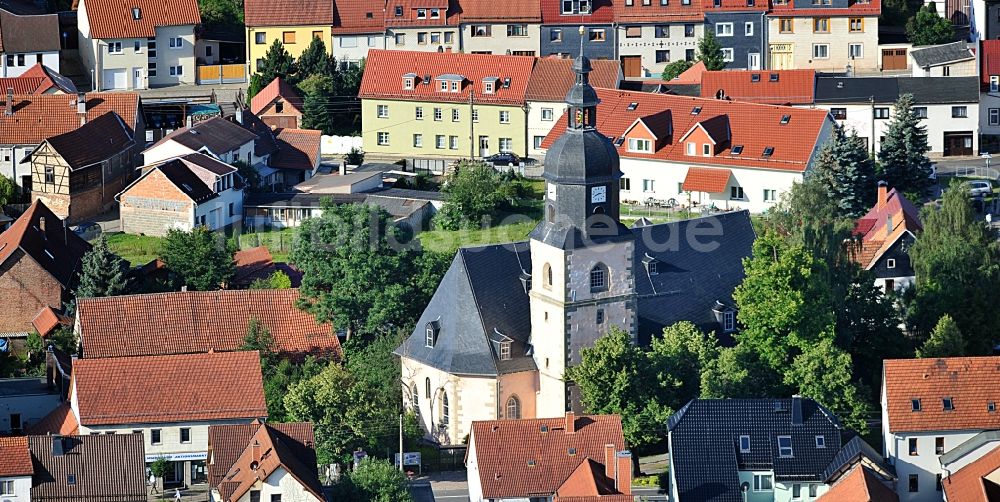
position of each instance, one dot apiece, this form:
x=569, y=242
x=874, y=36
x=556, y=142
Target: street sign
x=409, y=458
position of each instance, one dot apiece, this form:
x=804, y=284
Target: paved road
x=452, y=487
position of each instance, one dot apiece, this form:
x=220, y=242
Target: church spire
x=581, y=98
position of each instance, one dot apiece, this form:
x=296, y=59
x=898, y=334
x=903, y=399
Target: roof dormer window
x=785, y=119
x=444, y=86
x=652, y=264
x=729, y=321
x=696, y=110
x=505, y=351
x=399, y=10
x=914, y=405
x=136, y=13
x=489, y=85
x=421, y=13
x=431, y=332
x=409, y=81
x=454, y=87
x=948, y=404
x=435, y=13
x=768, y=151
x=773, y=77
x=691, y=148
x=738, y=149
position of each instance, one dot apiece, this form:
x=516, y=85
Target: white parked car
x=979, y=188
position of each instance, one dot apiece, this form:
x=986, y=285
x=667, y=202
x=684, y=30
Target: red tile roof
x=174, y=388
x=795, y=87
x=990, y=58
x=78, y=150
x=707, y=180
x=47, y=320
x=509, y=11
x=54, y=249
x=277, y=88
x=860, y=485
x=114, y=18
x=120, y=473
x=252, y=264
x=447, y=13
x=603, y=12
x=588, y=483
x=856, y=8
x=15, y=458
x=288, y=12
x=655, y=12
x=37, y=80
x=59, y=421
x=297, y=149
x=199, y=321
x=876, y=236
x=358, y=16
x=735, y=5
x=691, y=76
x=969, y=381
x=753, y=126
x=384, y=70
x=552, y=77
x=37, y=117
x=969, y=484
x=287, y=446
x=504, y=449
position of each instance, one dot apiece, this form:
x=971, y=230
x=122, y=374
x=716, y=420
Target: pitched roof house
x=15, y=459
x=973, y=470
x=774, y=87
x=270, y=460
x=278, y=105
x=40, y=260
x=89, y=468
x=575, y=456
x=861, y=484
x=226, y=140
x=26, y=40
x=39, y=79
x=297, y=157
x=883, y=237
x=947, y=60
x=193, y=322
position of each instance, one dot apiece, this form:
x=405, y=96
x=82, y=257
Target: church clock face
x=598, y=194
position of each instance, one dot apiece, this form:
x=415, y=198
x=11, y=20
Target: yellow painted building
x=267, y=21
x=294, y=38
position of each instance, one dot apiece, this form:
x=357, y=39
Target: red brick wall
x=25, y=288
x=144, y=220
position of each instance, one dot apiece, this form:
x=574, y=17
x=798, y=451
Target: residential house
x=825, y=35
x=566, y=23
x=171, y=400
x=26, y=41
x=860, y=484
x=512, y=28
x=706, y=152
x=741, y=27
x=358, y=25
x=421, y=25
x=181, y=193
x=950, y=106
x=25, y=402
x=38, y=79
x=222, y=139
x=77, y=177
x=264, y=145
x=948, y=60
x=257, y=263
x=654, y=33
x=88, y=468
x=410, y=209
x=259, y=461
x=39, y=262
x=731, y=450
x=972, y=469
x=457, y=95
x=52, y=115
x=883, y=238
x=931, y=407
x=146, y=43
x=492, y=342
x=580, y=456
x=989, y=96
x=294, y=23
x=774, y=87
x=48, y=320
x=16, y=470
x=278, y=105
x=551, y=78
x=297, y=158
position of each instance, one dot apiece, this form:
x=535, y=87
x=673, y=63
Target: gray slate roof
x=935, y=55
x=926, y=90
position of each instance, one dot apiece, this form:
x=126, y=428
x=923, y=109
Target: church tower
x=582, y=256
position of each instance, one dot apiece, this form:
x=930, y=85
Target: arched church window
x=427, y=388
x=513, y=408
x=599, y=278
x=445, y=411
x=547, y=274
x=550, y=214
x=416, y=396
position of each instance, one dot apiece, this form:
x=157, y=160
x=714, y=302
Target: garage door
x=114, y=79
x=893, y=59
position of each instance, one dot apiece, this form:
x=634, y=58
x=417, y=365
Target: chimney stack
x=623, y=472
x=9, y=109
x=570, y=422
x=256, y=452
x=81, y=107
x=41, y=224
x=883, y=194
x=609, y=461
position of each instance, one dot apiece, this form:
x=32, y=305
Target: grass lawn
x=447, y=241
x=137, y=249
x=279, y=242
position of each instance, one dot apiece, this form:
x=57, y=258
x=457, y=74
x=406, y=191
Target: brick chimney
x=81, y=107
x=883, y=194
x=623, y=472
x=41, y=224
x=9, y=108
x=609, y=461
x=255, y=458
x=570, y=422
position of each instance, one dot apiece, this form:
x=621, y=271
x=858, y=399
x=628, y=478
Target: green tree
x=277, y=280
x=7, y=188
x=316, y=113
x=278, y=63
x=928, y=28
x=160, y=468
x=102, y=273
x=221, y=13
x=197, y=259
x=355, y=157
x=249, y=174
x=677, y=360
x=945, y=341
x=824, y=372
x=325, y=400
x=847, y=172
x=672, y=70
x=374, y=480
x=710, y=52
x=903, y=156
x=475, y=191
x=739, y=372
x=257, y=83
x=314, y=60
x=956, y=262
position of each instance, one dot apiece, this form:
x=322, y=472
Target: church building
x=507, y=320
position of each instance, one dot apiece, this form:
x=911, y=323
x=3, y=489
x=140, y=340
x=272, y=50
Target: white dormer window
x=639, y=145
x=407, y=84
x=504, y=351
x=744, y=444
x=430, y=335
x=454, y=87
x=136, y=13
x=994, y=83
x=435, y=13
x=785, y=446
x=421, y=13
x=692, y=148
x=444, y=86
x=729, y=321
x=890, y=263
x=488, y=87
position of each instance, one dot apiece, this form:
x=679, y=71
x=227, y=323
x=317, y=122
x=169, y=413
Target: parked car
x=979, y=188
x=87, y=230
x=503, y=159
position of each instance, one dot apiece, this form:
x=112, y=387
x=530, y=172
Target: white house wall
x=166, y=150
x=481, y=391
x=647, y=45
x=178, y=56
x=925, y=464
x=537, y=127
x=50, y=59
x=22, y=489
x=939, y=121
x=498, y=42
x=281, y=482
x=354, y=48
x=221, y=204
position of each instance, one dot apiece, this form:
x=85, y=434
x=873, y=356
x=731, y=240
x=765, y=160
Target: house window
x=728, y=321
x=504, y=117
x=513, y=408
x=914, y=483
x=820, y=441
x=232, y=209
x=662, y=56
x=453, y=142
x=648, y=185
x=455, y=115
x=113, y=48
x=994, y=83
x=959, y=112
x=692, y=148
x=418, y=113
x=275, y=497
x=855, y=51
x=555, y=35
x=724, y=29
x=748, y=29
x=821, y=25
x=736, y=193
x=689, y=55
x=547, y=114
x=185, y=435
x=383, y=111
x=422, y=39
x=890, y=263
x=784, y=446
x=728, y=54
x=438, y=114
x=50, y=174
x=382, y=139
x=435, y=13
x=7, y=487
x=487, y=87
x=400, y=39
x=661, y=31
x=599, y=278
x=176, y=71
x=418, y=140
x=154, y=436
x=537, y=141
x=475, y=115
x=948, y=404
x=421, y=13
x=430, y=336
x=991, y=406
x=633, y=32
x=786, y=25
x=994, y=116
x=744, y=444
x=137, y=47
x=439, y=141
x=706, y=150
x=596, y=35
x=178, y=42
x=912, y=447
x=839, y=113
x=415, y=397
x=821, y=51
x=881, y=113
x=71, y=479
x=260, y=38
x=575, y=6
x=506, y=145
x=920, y=112
x=449, y=37
x=639, y=145
x=445, y=409
x=813, y=489
x=505, y=351
x=436, y=37
x=762, y=483
x=770, y=195
x=517, y=30
x=857, y=24
x=689, y=32
x=547, y=275
x=939, y=446
x=427, y=388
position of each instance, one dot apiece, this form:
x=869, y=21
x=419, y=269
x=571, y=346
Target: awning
x=708, y=180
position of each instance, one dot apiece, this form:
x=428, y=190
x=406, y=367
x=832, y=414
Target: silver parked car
x=979, y=188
